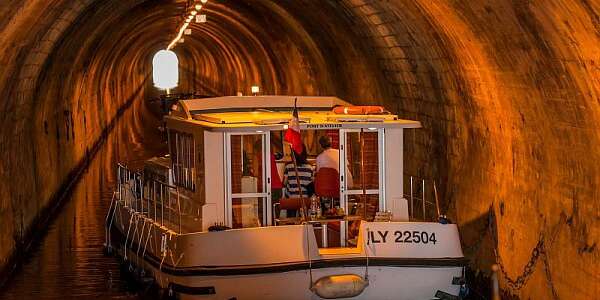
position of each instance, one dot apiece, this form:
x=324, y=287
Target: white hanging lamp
x=165, y=70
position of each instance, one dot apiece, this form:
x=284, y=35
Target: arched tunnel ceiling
x=507, y=91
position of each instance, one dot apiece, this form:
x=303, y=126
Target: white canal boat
x=208, y=221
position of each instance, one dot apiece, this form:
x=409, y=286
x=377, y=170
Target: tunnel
x=507, y=92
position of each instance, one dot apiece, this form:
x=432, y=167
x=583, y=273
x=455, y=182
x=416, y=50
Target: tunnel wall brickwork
x=59, y=99
x=507, y=92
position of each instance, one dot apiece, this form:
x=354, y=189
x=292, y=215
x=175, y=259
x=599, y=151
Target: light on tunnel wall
x=255, y=90
x=165, y=69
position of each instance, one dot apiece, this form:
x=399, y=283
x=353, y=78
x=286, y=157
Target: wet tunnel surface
x=507, y=91
x=68, y=261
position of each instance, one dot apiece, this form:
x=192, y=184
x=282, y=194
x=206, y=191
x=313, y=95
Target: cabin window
x=248, y=195
x=182, y=149
x=363, y=153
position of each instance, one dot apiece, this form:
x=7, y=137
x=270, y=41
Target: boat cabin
x=232, y=167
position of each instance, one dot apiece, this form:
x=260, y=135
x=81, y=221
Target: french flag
x=292, y=134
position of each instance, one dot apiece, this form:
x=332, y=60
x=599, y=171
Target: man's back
x=329, y=158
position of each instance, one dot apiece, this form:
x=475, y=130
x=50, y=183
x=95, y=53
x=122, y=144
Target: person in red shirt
x=276, y=184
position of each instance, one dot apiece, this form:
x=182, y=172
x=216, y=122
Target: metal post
x=126, y=190
x=437, y=202
x=135, y=192
x=412, y=206
x=178, y=208
x=424, y=218
x=141, y=182
x=169, y=203
x=162, y=205
x=119, y=181
x=154, y=198
x=148, y=197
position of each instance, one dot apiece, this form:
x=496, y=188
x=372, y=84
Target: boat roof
x=248, y=113
x=241, y=103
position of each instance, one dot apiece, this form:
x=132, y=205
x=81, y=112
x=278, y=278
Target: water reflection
x=68, y=262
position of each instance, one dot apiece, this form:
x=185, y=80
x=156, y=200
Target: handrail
x=426, y=206
x=152, y=198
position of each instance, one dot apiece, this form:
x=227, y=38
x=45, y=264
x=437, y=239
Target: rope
x=127, y=237
x=309, y=258
x=367, y=257
x=112, y=218
x=135, y=230
x=141, y=237
x=108, y=215
x=163, y=253
x=147, y=238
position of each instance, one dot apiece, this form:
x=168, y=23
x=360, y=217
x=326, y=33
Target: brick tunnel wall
x=507, y=92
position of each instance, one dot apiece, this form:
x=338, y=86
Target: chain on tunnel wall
x=507, y=92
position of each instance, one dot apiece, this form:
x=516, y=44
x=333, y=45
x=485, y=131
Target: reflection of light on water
x=69, y=261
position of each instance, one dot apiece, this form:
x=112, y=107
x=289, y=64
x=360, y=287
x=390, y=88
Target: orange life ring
x=359, y=110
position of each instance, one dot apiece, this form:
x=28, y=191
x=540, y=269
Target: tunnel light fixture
x=186, y=22
x=188, y=31
x=255, y=89
x=165, y=69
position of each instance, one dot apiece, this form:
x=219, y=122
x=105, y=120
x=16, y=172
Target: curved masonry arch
x=508, y=93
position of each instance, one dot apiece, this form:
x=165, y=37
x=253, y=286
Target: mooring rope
x=141, y=237
x=147, y=239
x=109, y=215
x=309, y=258
x=127, y=237
x=137, y=219
x=367, y=256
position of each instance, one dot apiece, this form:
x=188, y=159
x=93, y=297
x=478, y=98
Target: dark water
x=68, y=262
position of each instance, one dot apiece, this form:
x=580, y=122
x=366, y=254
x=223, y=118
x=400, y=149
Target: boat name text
x=317, y=126
x=415, y=236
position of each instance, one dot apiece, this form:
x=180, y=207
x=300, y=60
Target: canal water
x=68, y=261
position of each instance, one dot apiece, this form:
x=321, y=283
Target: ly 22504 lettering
x=406, y=236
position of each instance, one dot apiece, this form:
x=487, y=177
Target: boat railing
x=151, y=198
x=422, y=199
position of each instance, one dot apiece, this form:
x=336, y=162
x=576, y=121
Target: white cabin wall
x=394, y=174
x=214, y=209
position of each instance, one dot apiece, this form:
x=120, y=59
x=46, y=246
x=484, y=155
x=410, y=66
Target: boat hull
x=385, y=282
x=247, y=264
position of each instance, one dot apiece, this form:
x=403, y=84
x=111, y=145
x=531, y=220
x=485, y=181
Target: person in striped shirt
x=305, y=176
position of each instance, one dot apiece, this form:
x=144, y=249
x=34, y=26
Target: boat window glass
x=247, y=212
x=248, y=197
x=362, y=154
x=182, y=149
x=246, y=164
x=362, y=192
